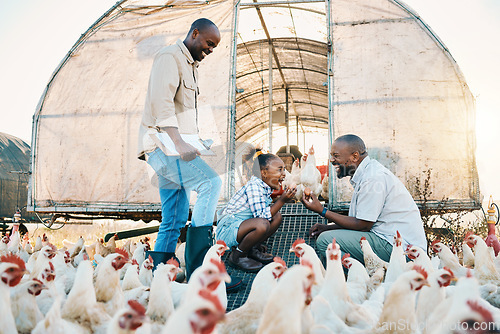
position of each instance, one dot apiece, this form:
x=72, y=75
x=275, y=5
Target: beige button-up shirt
x=171, y=96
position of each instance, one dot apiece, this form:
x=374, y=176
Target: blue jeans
x=176, y=179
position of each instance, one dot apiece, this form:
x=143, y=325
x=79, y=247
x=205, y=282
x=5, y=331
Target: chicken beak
x=226, y=278
x=454, y=279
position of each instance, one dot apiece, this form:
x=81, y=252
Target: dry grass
x=90, y=231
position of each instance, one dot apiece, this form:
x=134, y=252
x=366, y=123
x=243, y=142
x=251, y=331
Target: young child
x=249, y=218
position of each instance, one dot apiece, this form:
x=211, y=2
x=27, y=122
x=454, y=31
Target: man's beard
x=344, y=171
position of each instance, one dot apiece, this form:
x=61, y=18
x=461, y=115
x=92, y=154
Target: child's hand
x=289, y=193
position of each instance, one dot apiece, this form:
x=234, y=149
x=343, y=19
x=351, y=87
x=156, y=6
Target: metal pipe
x=231, y=140
x=297, y=127
x=287, y=123
x=270, y=96
x=332, y=192
x=278, y=2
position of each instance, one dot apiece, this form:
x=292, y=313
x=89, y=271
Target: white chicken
x=432, y=295
x=39, y=261
x=397, y=262
x=398, y=314
x=335, y=291
x=419, y=258
x=12, y=269
x=468, y=256
x=200, y=315
x=484, y=268
x=107, y=282
x=306, y=252
x=294, y=291
x=81, y=304
x=208, y=276
x=54, y=324
x=47, y=296
x=161, y=304
x=310, y=176
x=245, y=319
x=448, y=259
x=372, y=261
x=128, y=319
x=357, y=279
x=146, y=271
x=24, y=307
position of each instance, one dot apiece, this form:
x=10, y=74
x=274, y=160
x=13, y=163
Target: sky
x=36, y=35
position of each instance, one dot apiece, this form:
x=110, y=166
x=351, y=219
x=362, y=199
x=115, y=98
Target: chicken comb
x=137, y=307
x=12, y=258
x=449, y=270
x=408, y=247
x=221, y=242
x=362, y=238
x=306, y=263
x=53, y=247
x=398, y=235
x=122, y=252
x=219, y=264
x=345, y=256
x=334, y=241
x=37, y=280
x=51, y=266
x=150, y=259
x=297, y=242
x=205, y=294
x=420, y=270
x=435, y=241
x=484, y=312
x=44, y=237
x=134, y=261
x=279, y=260
x=173, y=262
x=469, y=274
x=468, y=234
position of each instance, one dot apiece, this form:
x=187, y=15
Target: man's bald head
x=202, y=24
x=355, y=143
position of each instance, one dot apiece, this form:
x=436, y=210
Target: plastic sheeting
x=14, y=166
x=396, y=86
x=388, y=79
x=86, y=130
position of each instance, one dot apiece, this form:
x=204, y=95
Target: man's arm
x=341, y=221
x=163, y=86
x=186, y=151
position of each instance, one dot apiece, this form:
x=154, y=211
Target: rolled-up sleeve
x=257, y=202
x=164, y=83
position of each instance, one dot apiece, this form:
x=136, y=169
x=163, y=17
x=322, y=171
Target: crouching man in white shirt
x=380, y=205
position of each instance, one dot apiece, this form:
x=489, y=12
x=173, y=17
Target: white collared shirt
x=380, y=197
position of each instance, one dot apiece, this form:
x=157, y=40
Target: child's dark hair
x=261, y=161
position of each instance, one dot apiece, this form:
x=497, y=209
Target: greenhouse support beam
x=279, y=2
x=270, y=97
x=275, y=55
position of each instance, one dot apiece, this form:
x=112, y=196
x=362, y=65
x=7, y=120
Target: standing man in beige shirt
x=171, y=107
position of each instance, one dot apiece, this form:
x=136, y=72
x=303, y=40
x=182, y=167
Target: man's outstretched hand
x=312, y=202
x=317, y=229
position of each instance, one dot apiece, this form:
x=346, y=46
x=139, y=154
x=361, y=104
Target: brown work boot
x=257, y=254
x=239, y=259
